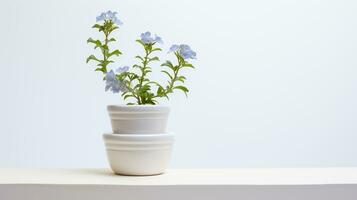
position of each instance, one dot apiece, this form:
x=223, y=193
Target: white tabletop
x=263, y=176
x=179, y=184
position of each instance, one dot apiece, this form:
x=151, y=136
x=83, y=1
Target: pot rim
x=122, y=107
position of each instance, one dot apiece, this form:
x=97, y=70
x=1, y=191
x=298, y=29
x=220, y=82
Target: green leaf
x=104, y=63
x=128, y=95
x=154, y=59
x=97, y=43
x=104, y=70
x=98, y=26
x=147, y=71
x=115, y=52
x=139, y=57
x=133, y=76
x=90, y=40
x=181, y=78
x=168, y=64
x=148, y=47
x=92, y=57
x=140, y=42
x=156, y=49
x=112, y=28
x=182, y=88
x=105, y=47
x=188, y=65
x=112, y=40
x=167, y=73
x=160, y=91
x=179, y=57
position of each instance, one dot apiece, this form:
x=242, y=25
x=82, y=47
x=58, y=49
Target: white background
x=274, y=86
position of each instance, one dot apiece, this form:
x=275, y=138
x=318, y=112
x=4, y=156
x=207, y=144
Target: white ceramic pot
x=139, y=154
x=138, y=119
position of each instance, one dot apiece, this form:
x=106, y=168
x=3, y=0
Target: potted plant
x=139, y=143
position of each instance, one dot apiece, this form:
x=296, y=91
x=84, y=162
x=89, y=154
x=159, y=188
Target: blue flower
x=101, y=17
x=109, y=15
x=158, y=39
x=174, y=48
x=146, y=38
x=118, y=21
x=184, y=50
x=113, y=83
x=122, y=69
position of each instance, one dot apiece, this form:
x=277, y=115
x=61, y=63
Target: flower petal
x=174, y=48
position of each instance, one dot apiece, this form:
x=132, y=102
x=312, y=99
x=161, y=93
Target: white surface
x=274, y=176
x=209, y=184
x=274, y=85
x=139, y=154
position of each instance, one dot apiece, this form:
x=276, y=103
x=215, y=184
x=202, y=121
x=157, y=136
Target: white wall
x=275, y=84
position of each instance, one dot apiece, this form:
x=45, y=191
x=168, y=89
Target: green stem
x=105, y=52
x=173, y=80
x=143, y=73
x=145, y=62
x=131, y=90
x=169, y=90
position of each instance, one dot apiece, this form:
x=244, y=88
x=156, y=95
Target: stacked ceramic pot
x=139, y=143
